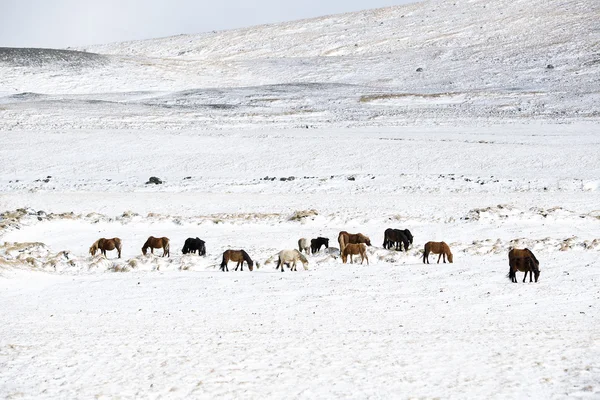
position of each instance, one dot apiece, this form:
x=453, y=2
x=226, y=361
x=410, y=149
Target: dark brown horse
x=316, y=244
x=397, y=236
x=523, y=260
x=157, y=243
x=440, y=248
x=238, y=256
x=105, y=245
x=345, y=238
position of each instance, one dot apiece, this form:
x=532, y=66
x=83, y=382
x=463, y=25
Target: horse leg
x=525, y=276
x=439, y=259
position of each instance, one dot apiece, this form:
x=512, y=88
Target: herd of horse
x=351, y=244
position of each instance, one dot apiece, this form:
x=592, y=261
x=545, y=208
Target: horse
x=157, y=243
x=303, y=245
x=105, y=245
x=191, y=245
x=440, y=248
x=345, y=238
x=352, y=249
x=238, y=256
x=398, y=237
x=290, y=257
x=315, y=244
x=522, y=260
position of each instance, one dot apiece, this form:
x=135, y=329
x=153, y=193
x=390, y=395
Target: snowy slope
x=479, y=60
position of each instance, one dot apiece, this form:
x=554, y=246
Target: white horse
x=290, y=257
x=304, y=244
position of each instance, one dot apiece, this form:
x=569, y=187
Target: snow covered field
x=265, y=135
x=397, y=328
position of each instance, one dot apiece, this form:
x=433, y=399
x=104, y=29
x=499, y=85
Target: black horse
x=191, y=245
x=315, y=244
x=398, y=237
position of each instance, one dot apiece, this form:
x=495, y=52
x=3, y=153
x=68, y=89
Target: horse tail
x=300, y=245
x=341, y=240
x=225, y=259
x=510, y=270
x=167, y=247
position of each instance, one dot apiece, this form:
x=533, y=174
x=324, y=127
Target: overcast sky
x=64, y=23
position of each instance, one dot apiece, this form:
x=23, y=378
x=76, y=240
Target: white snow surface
x=268, y=134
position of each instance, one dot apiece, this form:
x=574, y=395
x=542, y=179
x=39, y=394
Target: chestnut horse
x=352, y=249
x=238, y=256
x=289, y=257
x=345, y=238
x=522, y=260
x=157, y=243
x=440, y=248
x=105, y=245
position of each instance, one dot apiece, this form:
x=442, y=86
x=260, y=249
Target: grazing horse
x=315, y=244
x=105, y=245
x=352, y=249
x=303, y=245
x=191, y=245
x=290, y=257
x=157, y=243
x=397, y=236
x=440, y=248
x=523, y=260
x=345, y=238
x=238, y=256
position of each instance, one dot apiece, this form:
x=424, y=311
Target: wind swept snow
x=471, y=122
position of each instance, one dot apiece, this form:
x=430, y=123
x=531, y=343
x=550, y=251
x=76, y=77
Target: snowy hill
x=431, y=61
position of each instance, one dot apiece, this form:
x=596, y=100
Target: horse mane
x=246, y=257
x=302, y=258
x=94, y=246
x=532, y=256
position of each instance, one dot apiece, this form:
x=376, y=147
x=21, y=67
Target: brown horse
x=522, y=260
x=238, y=256
x=105, y=245
x=440, y=248
x=345, y=238
x=157, y=243
x=353, y=249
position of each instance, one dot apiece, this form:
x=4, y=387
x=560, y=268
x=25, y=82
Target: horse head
x=366, y=239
